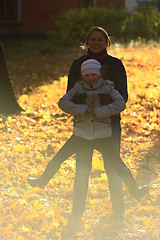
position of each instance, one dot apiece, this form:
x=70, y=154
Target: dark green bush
x=141, y=23
x=74, y=24
x=144, y=23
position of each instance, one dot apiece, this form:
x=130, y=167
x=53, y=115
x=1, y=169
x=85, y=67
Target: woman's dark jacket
x=113, y=69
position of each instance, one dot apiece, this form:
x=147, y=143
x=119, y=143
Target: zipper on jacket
x=91, y=87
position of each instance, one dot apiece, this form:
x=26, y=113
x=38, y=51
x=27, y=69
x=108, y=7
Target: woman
x=97, y=42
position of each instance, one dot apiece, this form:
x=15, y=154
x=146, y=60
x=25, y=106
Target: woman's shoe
x=35, y=182
x=141, y=192
x=117, y=219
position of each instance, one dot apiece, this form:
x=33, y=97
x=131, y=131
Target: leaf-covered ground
x=29, y=141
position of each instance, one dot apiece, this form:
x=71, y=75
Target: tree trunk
x=8, y=102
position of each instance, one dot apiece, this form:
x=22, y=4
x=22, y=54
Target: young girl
x=92, y=129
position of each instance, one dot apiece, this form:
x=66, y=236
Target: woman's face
x=96, y=42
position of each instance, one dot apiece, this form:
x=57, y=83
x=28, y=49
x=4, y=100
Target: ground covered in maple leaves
x=29, y=140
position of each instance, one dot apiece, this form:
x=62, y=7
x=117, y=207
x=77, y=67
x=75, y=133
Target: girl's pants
x=84, y=165
x=84, y=150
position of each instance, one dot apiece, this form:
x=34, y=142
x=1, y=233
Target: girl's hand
x=91, y=110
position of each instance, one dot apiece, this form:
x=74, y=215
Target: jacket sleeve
x=121, y=83
x=67, y=105
x=75, y=72
x=117, y=106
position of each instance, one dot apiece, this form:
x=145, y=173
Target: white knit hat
x=90, y=66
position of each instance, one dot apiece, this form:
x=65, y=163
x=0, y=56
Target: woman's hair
x=98, y=29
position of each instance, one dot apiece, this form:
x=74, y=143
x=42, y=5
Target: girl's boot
x=52, y=167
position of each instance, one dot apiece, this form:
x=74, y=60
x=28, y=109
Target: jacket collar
x=97, y=56
x=92, y=87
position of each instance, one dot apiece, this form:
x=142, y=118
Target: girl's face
x=96, y=42
x=91, y=78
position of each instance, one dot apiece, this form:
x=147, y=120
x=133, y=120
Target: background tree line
x=121, y=25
